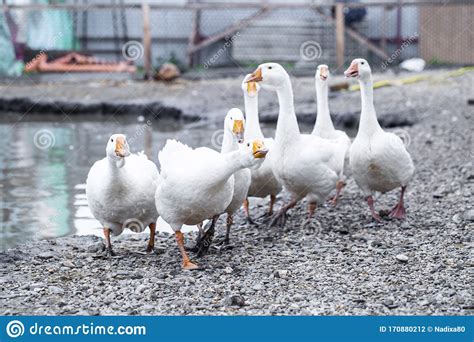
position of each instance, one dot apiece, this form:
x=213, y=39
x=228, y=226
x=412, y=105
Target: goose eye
x=248, y=144
x=270, y=67
x=362, y=62
x=111, y=140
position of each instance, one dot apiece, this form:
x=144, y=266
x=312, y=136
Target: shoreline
x=187, y=100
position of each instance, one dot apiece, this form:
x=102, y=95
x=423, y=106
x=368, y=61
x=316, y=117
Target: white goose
x=264, y=182
x=305, y=165
x=324, y=128
x=379, y=160
x=120, y=191
x=191, y=195
x=234, y=124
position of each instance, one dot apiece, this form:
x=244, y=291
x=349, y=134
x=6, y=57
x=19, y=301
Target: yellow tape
x=415, y=79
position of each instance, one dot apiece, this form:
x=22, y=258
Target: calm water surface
x=44, y=161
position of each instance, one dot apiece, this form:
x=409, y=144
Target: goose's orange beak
x=238, y=129
x=353, y=71
x=256, y=76
x=323, y=73
x=259, y=149
x=121, y=148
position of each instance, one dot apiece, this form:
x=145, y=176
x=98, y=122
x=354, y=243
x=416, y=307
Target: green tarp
x=44, y=30
x=9, y=66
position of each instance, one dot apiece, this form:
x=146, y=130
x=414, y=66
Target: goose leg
x=370, y=202
x=268, y=215
x=247, y=211
x=230, y=221
x=311, y=210
x=108, y=244
x=339, y=185
x=225, y=244
x=187, y=264
x=399, y=210
x=151, y=241
x=272, y=203
x=203, y=244
x=201, y=231
x=279, y=219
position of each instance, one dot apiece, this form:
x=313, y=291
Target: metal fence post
x=340, y=34
x=146, y=39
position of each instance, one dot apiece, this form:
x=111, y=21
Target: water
x=44, y=161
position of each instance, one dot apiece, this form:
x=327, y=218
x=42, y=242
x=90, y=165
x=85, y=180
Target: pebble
x=68, y=263
x=33, y=286
x=457, y=218
x=96, y=247
x=282, y=274
x=46, y=255
x=405, y=225
x=402, y=258
x=376, y=243
x=56, y=290
x=469, y=215
x=234, y=300
x=298, y=298
x=389, y=303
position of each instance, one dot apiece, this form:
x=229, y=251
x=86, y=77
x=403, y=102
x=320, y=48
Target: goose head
x=117, y=147
x=359, y=69
x=270, y=75
x=253, y=153
x=250, y=88
x=322, y=74
x=235, y=123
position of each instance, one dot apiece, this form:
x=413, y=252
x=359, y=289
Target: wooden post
x=146, y=40
x=399, y=25
x=340, y=34
x=383, y=41
x=149, y=141
x=193, y=37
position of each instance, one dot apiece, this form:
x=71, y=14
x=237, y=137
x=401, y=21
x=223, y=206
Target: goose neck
x=229, y=142
x=232, y=163
x=116, y=163
x=252, y=126
x=368, y=118
x=287, y=125
x=323, y=119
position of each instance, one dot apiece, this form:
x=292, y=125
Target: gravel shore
x=345, y=265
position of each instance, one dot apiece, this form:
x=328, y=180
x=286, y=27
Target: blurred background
x=73, y=72
x=205, y=34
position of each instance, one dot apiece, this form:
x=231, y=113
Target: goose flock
x=195, y=185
